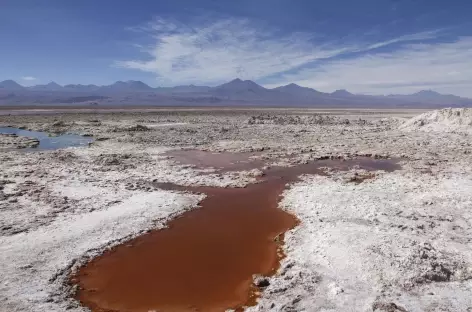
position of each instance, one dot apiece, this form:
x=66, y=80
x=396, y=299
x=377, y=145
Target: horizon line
x=205, y=86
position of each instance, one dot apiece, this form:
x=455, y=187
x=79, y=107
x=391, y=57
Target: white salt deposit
x=35, y=264
x=446, y=120
x=399, y=242
x=396, y=243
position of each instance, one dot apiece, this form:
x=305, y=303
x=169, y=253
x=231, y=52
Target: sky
x=364, y=46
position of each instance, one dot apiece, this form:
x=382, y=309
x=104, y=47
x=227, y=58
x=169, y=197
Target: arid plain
x=376, y=205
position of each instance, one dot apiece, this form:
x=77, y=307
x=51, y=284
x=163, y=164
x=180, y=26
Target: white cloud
x=406, y=38
x=444, y=67
x=28, y=78
x=218, y=52
x=221, y=51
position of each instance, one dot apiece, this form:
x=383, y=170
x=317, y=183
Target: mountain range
x=236, y=92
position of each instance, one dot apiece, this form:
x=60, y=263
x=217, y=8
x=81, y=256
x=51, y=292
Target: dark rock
x=387, y=307
x=261, y=281
x=139, y=128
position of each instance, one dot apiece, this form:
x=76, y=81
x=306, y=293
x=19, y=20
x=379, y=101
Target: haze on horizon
x=367, y=46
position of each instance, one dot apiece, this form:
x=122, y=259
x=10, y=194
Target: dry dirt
x=398, y=241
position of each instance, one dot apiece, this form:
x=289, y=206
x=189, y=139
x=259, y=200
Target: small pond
x=49, y=141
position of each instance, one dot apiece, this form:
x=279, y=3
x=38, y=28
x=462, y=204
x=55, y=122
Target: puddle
x=206, y=258
x=47, y=142
x=224, y=161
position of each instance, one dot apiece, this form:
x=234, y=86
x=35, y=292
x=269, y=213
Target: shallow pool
x=49, y=141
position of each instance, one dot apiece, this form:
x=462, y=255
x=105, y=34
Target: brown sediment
x=206, y=258
x=224, y=161
x=361, y=178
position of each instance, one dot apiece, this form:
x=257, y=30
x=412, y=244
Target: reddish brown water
x=205, y=259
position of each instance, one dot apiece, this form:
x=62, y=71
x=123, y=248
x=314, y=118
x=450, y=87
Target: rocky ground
x=398, y=241
x=8, y=141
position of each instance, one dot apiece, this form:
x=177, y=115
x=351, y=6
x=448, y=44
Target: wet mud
x=223, y=161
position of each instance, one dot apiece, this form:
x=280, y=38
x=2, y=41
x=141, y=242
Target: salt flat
x=400, y=241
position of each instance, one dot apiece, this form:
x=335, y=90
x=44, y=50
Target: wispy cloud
x=425, y=35
x=446, y=67
x=28, y=78
x=225, y=49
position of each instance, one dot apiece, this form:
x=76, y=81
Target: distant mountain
x=127, y=86
x=238, y=85
x=183, y=89
x=10, y=85
x=236, y=92
x=299, y=91
x=342, y=93
x=433, y=97
x=427, y=94
x=52, y=86
x=78, y=99
x=4, y=95
x=245, y=90
x=81, y=88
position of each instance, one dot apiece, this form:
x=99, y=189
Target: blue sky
x=365, y=46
